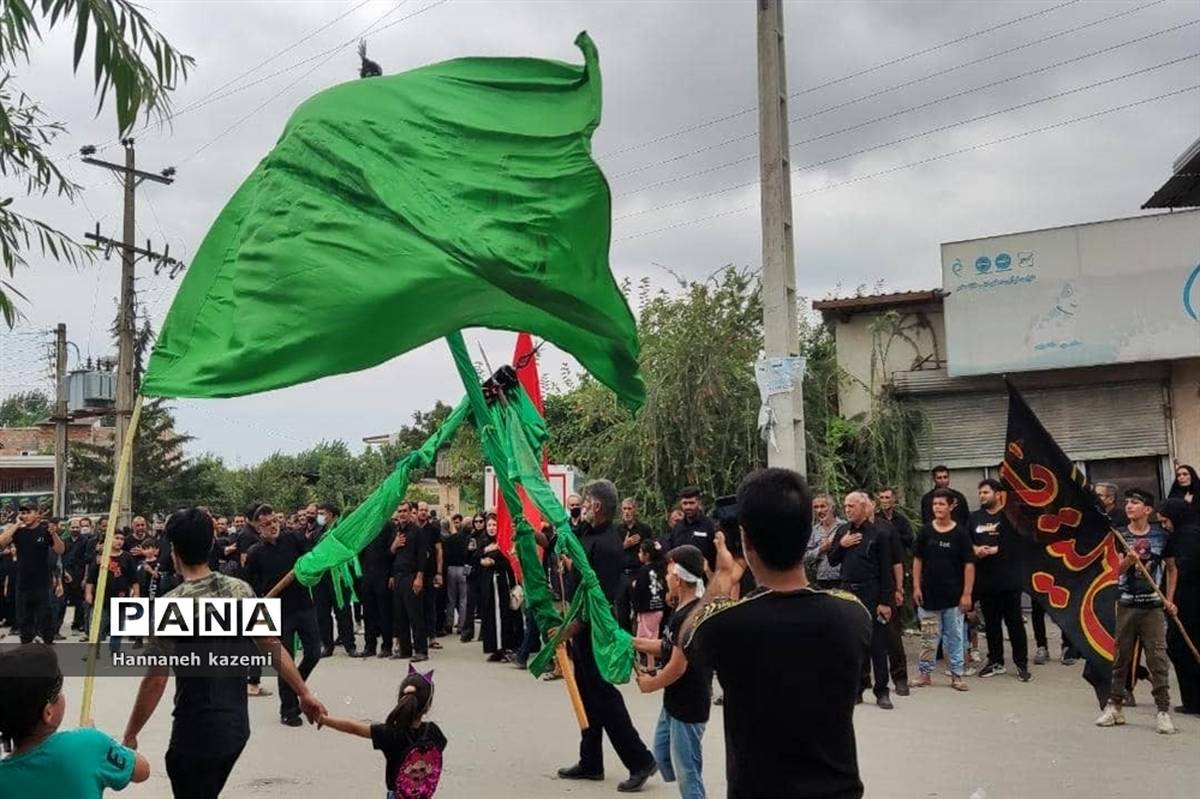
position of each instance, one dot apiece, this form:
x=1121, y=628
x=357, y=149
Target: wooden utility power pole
x=780, y=333
x=126, y=319
x=60, y=420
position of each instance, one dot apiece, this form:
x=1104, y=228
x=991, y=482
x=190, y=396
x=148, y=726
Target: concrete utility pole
x=60, y=420
x=127, y=317
x=780, y=334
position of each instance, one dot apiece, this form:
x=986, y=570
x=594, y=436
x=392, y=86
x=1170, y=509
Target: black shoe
x=292, y=721
x=576, y=772
x=399, y=656
x=366, y=653
x=719, y=701
x=138, y=644
x=466, y=639
x=384, y=653
x=1023, y=675
x=495, y=657
x=638, y=778
x=327, y=652
x=419, y=657
x=902, y=689
x=352, y=652
x=884, y=701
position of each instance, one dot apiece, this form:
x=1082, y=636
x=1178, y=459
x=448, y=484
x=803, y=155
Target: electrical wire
x=914, y=164
x=883, y=65
x=893, y=142
x=905, y=84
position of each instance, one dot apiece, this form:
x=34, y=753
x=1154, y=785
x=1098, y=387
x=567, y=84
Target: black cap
x=689, y=557
x=689, y=492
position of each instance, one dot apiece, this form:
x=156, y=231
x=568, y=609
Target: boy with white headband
x=686, y=687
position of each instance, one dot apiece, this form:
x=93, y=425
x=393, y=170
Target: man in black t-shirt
x=267, y=562
x=633, y=533
x=789, y=658
x=686, y=687
x=376, y=559
x=943, y=581
x=941, y=481
x=33, y=541
x=695, y=528
x=998, y=581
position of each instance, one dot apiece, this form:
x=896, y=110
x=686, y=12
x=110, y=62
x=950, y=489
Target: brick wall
x=40, y=439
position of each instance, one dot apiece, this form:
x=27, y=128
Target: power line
x=910, y=137
x=913, y=164
x=883, y=65
x=329, y=56
x=907, y=83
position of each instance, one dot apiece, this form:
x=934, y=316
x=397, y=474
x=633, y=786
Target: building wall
x=40, y=439
x=1185, y=409
x=921, y=338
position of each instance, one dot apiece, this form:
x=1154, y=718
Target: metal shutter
x=1114, y=420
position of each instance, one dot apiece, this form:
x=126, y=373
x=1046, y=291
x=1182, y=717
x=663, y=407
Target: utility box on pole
x=781, y=338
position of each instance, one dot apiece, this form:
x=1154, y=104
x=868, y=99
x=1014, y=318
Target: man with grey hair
x=605, y=708
x=1107, y=494
x=863, y=551
x=825, y=523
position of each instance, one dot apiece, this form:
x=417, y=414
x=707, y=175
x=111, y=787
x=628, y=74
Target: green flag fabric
x=509, y=432
x=396, y=210
x=341, y=545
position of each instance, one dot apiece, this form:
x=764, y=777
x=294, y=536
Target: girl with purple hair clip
x=411, y=746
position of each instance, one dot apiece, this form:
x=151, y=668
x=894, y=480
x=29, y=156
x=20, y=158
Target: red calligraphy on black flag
x=1069, y=554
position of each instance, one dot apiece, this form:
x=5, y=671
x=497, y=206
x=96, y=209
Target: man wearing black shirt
x=324, y=598
x=33, y=541
x=605, y=708
x=410, y=557
x=902, y=543
x=376, y=559
x=695, y=528
x=998, y=582
x=863, y=550
x=455, y=552
x=267, y=562
x=943, y=582
x=633, y=533
x=434, y=565
x=789, y=658
x=960, y=513
x=1107, y=494
x=211, y=724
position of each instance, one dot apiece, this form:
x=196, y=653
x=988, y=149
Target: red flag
x=528, y=375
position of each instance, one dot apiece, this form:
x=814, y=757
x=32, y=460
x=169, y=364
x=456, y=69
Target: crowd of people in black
x=783, y=578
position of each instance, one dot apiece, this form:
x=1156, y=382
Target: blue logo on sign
x=1003, y=262
x=1188, y=308
x=983, y=264
x=956, y=267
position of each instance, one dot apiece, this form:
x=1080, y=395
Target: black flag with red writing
x=1069, y=555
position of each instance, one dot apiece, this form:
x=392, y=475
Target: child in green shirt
x=42, y=761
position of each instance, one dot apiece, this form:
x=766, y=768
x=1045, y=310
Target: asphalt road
x=509, y=733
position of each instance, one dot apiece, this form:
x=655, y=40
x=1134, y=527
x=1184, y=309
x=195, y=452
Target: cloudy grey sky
x=684, y=201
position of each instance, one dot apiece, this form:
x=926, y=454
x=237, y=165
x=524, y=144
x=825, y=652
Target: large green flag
x=395, y=210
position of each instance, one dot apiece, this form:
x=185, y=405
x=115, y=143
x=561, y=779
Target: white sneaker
x=1165, y=725
x=969, y=671
x=1112, y=717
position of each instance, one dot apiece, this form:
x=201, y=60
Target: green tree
x=24, y=409
x=128, y=57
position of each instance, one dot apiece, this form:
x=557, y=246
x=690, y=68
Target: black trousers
x=624, y=604
x=868, y=594
x=897, y=658
x=474, y=599
x=1187, y=670
x=442, y=626
x=1003, y=609
x=429, y=604
x=34, y=616
x=606, y=713
x=304, y=625
x=327, y=610
x=409, y=618
x=199, y=775
x=377, y=609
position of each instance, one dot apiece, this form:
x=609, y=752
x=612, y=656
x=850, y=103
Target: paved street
x=508, y=734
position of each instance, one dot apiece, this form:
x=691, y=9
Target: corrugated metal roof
x=1182, y=189
x=873, y=302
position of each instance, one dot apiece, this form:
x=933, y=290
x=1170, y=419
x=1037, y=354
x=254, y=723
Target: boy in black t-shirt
x=943, y=580
x=122, y=582
x=686, y=688
x=789, y=658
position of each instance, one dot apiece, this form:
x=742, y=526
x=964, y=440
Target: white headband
x=688, y=577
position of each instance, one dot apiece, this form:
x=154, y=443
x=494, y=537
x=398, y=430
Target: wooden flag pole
x=1150, y=579
x=568, y=673
x=121, y=478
